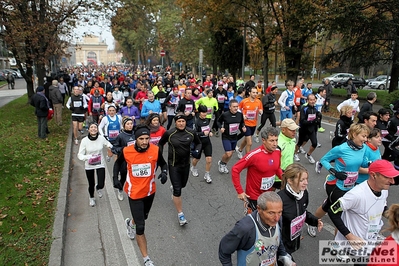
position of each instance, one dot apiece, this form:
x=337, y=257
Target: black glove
x=338, y=175
x=72, y=108
x=196, y=154
x=163, y=177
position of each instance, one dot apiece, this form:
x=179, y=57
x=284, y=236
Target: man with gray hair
x=262, y=164
x=257, y=237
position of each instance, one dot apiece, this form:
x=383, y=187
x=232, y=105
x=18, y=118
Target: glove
x=72, y=108
x=338, y=175
x=195, y=154
x=163, y=177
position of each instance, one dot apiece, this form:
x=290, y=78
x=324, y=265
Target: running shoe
x=312, y=230
x=296, y=157
x=208, y=178
x=318, y=167
x=182, y=219
x=226, y=171
x=310, y=158
x=321, y=130
x=130, y=228
x=332, y=135
x=301, y=150
x=256, y=138
x=318, y=145
x=239, y=153
x=149, y=262
x=76, y=142
x=194, y=171
x=100, y=193
x=92, y=202
x=120, y=195
x=220, y=167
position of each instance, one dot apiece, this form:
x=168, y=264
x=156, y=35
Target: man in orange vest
x=142, y=160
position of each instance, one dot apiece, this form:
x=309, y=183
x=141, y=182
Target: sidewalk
x=85, y=235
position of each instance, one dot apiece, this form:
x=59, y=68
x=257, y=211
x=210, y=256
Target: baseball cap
x=288, y=122
x=384, y=168
x=220, y=83
x=193, y=81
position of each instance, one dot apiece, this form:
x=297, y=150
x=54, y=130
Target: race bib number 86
x=141, y=170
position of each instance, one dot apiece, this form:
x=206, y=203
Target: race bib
x=141, y=170
x=205, y=128
x=353, y=112
x=266, y=183
x=251, y=115
x=189, y=108
x=351, y=179
x=162, y=100
x=290, y=103
x=155, y=140
x=113, y=133
x=311, y=117
x=126, y=93
x=209, y=110
x=272, y=108
x=77, y=103
x=220, y=98
x=130, y=143
x=296, y=226
x=384, y=133
x=373, y=230
x=233, y=128
x=96, y=106
x=95, y=159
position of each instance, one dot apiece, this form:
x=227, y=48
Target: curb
x=59, y=226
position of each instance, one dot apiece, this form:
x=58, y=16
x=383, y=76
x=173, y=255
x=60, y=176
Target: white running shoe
x=149, y=262
x=310, y=158
x=256, y=139
x=194, y=171
x=220, y=167
x=301, y=150
x=208, y=178
x=182, y=219
x=120, y=195
x=100, y=193
x=76, y=142
x=312, y=230
x=239, y=153
x=318, y=167
x=92, y=202
x=130, y=229
x=226, y=171
x=318, y=145
x=296, y=157
x=332, y=135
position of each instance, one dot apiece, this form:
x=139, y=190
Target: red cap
x=193, y=81
x=220, y=83
x=384, y=168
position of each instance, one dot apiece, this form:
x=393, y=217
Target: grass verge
x=31, y=171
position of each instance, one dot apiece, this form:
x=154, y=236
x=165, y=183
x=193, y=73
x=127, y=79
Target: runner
x=156, y=129
x=124, y=139
x=269, y=106
x=230, y=123
x=257, y=237
x=221, y=97
x=77, y=104
x=209, y=102
x=286, y=101
x=250, y=108
x=91, y=152
x=142, y=160
x=187, y=107
x=179, y=140
x=295, y=197
x=259, y=179
x=110, y=125
x=204, y=132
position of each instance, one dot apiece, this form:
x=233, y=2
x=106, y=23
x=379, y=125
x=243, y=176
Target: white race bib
x=95, y=159
x=351, y=179
x=266, y=183
x=296, y=226
x=233, y=128
x=141, y=170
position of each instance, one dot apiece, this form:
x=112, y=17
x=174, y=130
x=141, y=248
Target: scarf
x=92, y=137
x=153, y=128
x=297, y=196
x=353, y=146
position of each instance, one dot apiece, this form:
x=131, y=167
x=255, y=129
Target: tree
x=36, y=30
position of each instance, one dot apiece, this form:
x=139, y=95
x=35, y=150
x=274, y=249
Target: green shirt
x=210, y=103
x=287, y=147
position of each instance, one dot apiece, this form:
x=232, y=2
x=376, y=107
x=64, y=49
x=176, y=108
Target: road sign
x=162, y=52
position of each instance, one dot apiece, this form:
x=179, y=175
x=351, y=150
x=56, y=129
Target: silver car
x=380, y=82
x=339, y=78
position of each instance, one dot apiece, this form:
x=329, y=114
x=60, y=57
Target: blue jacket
x=154, y=106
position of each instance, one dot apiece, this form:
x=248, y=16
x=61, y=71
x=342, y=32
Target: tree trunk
x=293, y=55
x=395, y=68
x=265, y=67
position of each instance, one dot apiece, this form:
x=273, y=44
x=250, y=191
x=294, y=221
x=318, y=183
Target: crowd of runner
x=134, y=113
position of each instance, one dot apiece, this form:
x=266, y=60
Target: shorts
x=139, y=209
x=250, y=131
x=206, y=149
x=333, y=194
x=298, y=110
x=163, y=109
x=178, y=177
x=79, y=119
x=305, y=135
x=229, y=145
x=285, y=114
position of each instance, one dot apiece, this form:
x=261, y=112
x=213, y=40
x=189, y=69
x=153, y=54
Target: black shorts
x=140, y=209
x=206, y=149
x=79, y=119
x=298, y=109
x=178, y=177
x=305, y=135
x=333, y=194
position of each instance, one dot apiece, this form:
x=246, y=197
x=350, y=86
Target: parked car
x=3, y=76
x=359, y=83
x=380, y=82
x=339, y=78
x=16, y=74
